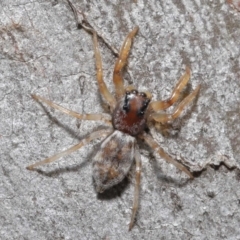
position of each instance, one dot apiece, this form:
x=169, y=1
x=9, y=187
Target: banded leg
x=89, y=138
x=164, y=118
x=154, y=145
x=101, y=117
x=102, y=86
x=137, y=187
x=182, y=82
x=121, y=62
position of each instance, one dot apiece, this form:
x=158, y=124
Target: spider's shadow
x=54, y=120
x=115, y=191
x=59, y=171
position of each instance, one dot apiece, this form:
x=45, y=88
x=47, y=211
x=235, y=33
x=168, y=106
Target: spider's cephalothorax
x=129, y=115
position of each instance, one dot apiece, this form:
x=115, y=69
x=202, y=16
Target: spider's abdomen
x=129, y=115
x=113, y=160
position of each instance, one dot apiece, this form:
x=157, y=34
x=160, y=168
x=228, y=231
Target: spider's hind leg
x=89, y=138
x=94, y=117
x=154, y=145
x=137, y=187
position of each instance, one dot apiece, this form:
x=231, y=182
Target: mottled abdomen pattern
x=113, y=160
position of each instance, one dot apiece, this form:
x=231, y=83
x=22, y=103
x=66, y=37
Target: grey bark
x=43, y=52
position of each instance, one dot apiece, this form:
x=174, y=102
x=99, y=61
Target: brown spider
x=131, y=111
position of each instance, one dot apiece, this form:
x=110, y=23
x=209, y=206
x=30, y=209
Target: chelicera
x=131, y=112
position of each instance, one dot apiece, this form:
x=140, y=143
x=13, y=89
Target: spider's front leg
x=121, y=62
x=164, y=118
x=102, y=85
x=182, y=82
x=162, y=105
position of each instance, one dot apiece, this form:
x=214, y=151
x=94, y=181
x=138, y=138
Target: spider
x=131, y=112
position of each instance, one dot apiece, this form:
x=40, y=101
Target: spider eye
x=126, y=106
x=144, y=107
x=140, y=113
x=146, y=102
x=142, y=94
x=134, y=91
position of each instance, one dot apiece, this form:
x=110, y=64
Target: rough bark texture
x=43, y=52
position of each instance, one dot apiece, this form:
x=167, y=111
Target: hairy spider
x=131, y=111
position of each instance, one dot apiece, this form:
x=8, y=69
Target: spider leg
x=163, y=117
x=101, y=117
x=102, y=86
x=89, y=138
x=137, y=187
x=153, y=144
x=182, y=82
x=121, y=62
